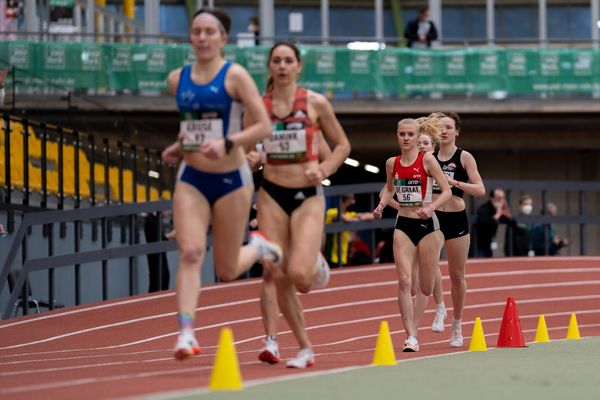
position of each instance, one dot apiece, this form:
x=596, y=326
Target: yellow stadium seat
x=52, y=173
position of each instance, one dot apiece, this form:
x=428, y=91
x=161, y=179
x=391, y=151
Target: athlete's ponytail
x=430, y=126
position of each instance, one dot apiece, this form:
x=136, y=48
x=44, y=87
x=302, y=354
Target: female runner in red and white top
x=290, y=203
x=417, y=235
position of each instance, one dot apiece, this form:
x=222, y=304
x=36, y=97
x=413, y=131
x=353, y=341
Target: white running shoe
x=321, y=279
x=456, y=337
x=270, y=353
x=438, y=321
x=186, y=346
x=269, y=251
x=411, y=344
x=304, y=359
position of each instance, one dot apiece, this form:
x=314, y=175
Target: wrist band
x=228, y=145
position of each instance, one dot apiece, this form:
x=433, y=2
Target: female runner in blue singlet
x=214, y=184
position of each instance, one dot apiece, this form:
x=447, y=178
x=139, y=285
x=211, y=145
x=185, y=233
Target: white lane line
x=335, y=324
x=85, y=381
x=124, y=303
x=348, y=287
x=350, y=270
x=486, y=320
x=231, y=322
x=88, y=356
x=370, y=349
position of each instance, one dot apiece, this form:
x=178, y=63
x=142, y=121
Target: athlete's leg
x=191, y=213
x=305, y=240
x=440, y=308
x=270, y=314
x=457, y=251
x=404, y=258
x=438, y=290
x=229, y=222
x=274, y=223
x=429, y=255
x=419, y=299
x=307, y=224
x=268, y=303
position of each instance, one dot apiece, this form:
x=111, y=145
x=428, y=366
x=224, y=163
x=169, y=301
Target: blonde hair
x=430, y=126
x=408, y=121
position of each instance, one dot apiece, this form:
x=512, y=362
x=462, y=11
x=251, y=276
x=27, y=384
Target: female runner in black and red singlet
x=290, y=203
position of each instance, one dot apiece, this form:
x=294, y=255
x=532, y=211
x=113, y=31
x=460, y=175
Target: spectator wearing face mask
x=518, y=235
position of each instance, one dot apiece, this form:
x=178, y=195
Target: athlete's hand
x=378, y=211
x=253, y=158
x=213, y=149
x=425, y=212
x=315, y=174
x=172, y=154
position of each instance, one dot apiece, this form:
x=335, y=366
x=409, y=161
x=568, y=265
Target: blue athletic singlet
x=207, y=110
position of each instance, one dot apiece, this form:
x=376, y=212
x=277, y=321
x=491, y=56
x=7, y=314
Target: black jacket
x=486, y=225
x=519, y=233
x=411, y=33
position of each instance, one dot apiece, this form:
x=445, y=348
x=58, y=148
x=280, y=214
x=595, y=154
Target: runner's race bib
x=287, y=142
x=436, y=187
x=408, y=192
x=197, y=131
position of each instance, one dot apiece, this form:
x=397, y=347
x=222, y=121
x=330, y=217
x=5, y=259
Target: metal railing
x=71, y=165
x=132, y=248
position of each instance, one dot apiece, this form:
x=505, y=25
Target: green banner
x=334, y=71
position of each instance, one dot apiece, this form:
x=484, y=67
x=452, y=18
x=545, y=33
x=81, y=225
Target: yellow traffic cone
x=226, y=371
x=384, y=350
x=573, y=332
x=541, y=335
x=477, y=337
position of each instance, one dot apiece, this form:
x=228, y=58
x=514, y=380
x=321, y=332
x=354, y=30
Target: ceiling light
x=371, y=168
x=365, y=45
x=352, y=162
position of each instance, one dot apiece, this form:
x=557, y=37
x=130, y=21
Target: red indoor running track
x=123, y=347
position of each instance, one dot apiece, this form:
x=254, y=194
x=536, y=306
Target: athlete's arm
x=475, y=185
x=333, y=131
x=172, y=154
x=388, y=189
x=432, y=168
x=392, y=203
x=253, y=156
x=324, y=149
x=240, y=85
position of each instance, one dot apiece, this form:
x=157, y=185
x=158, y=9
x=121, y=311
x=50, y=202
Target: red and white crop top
x=412, y=184
x=295, y=137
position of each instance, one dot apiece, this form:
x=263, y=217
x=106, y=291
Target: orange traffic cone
x=511, y=334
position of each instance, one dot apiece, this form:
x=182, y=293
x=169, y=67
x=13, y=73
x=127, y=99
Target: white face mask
x=527, y=209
